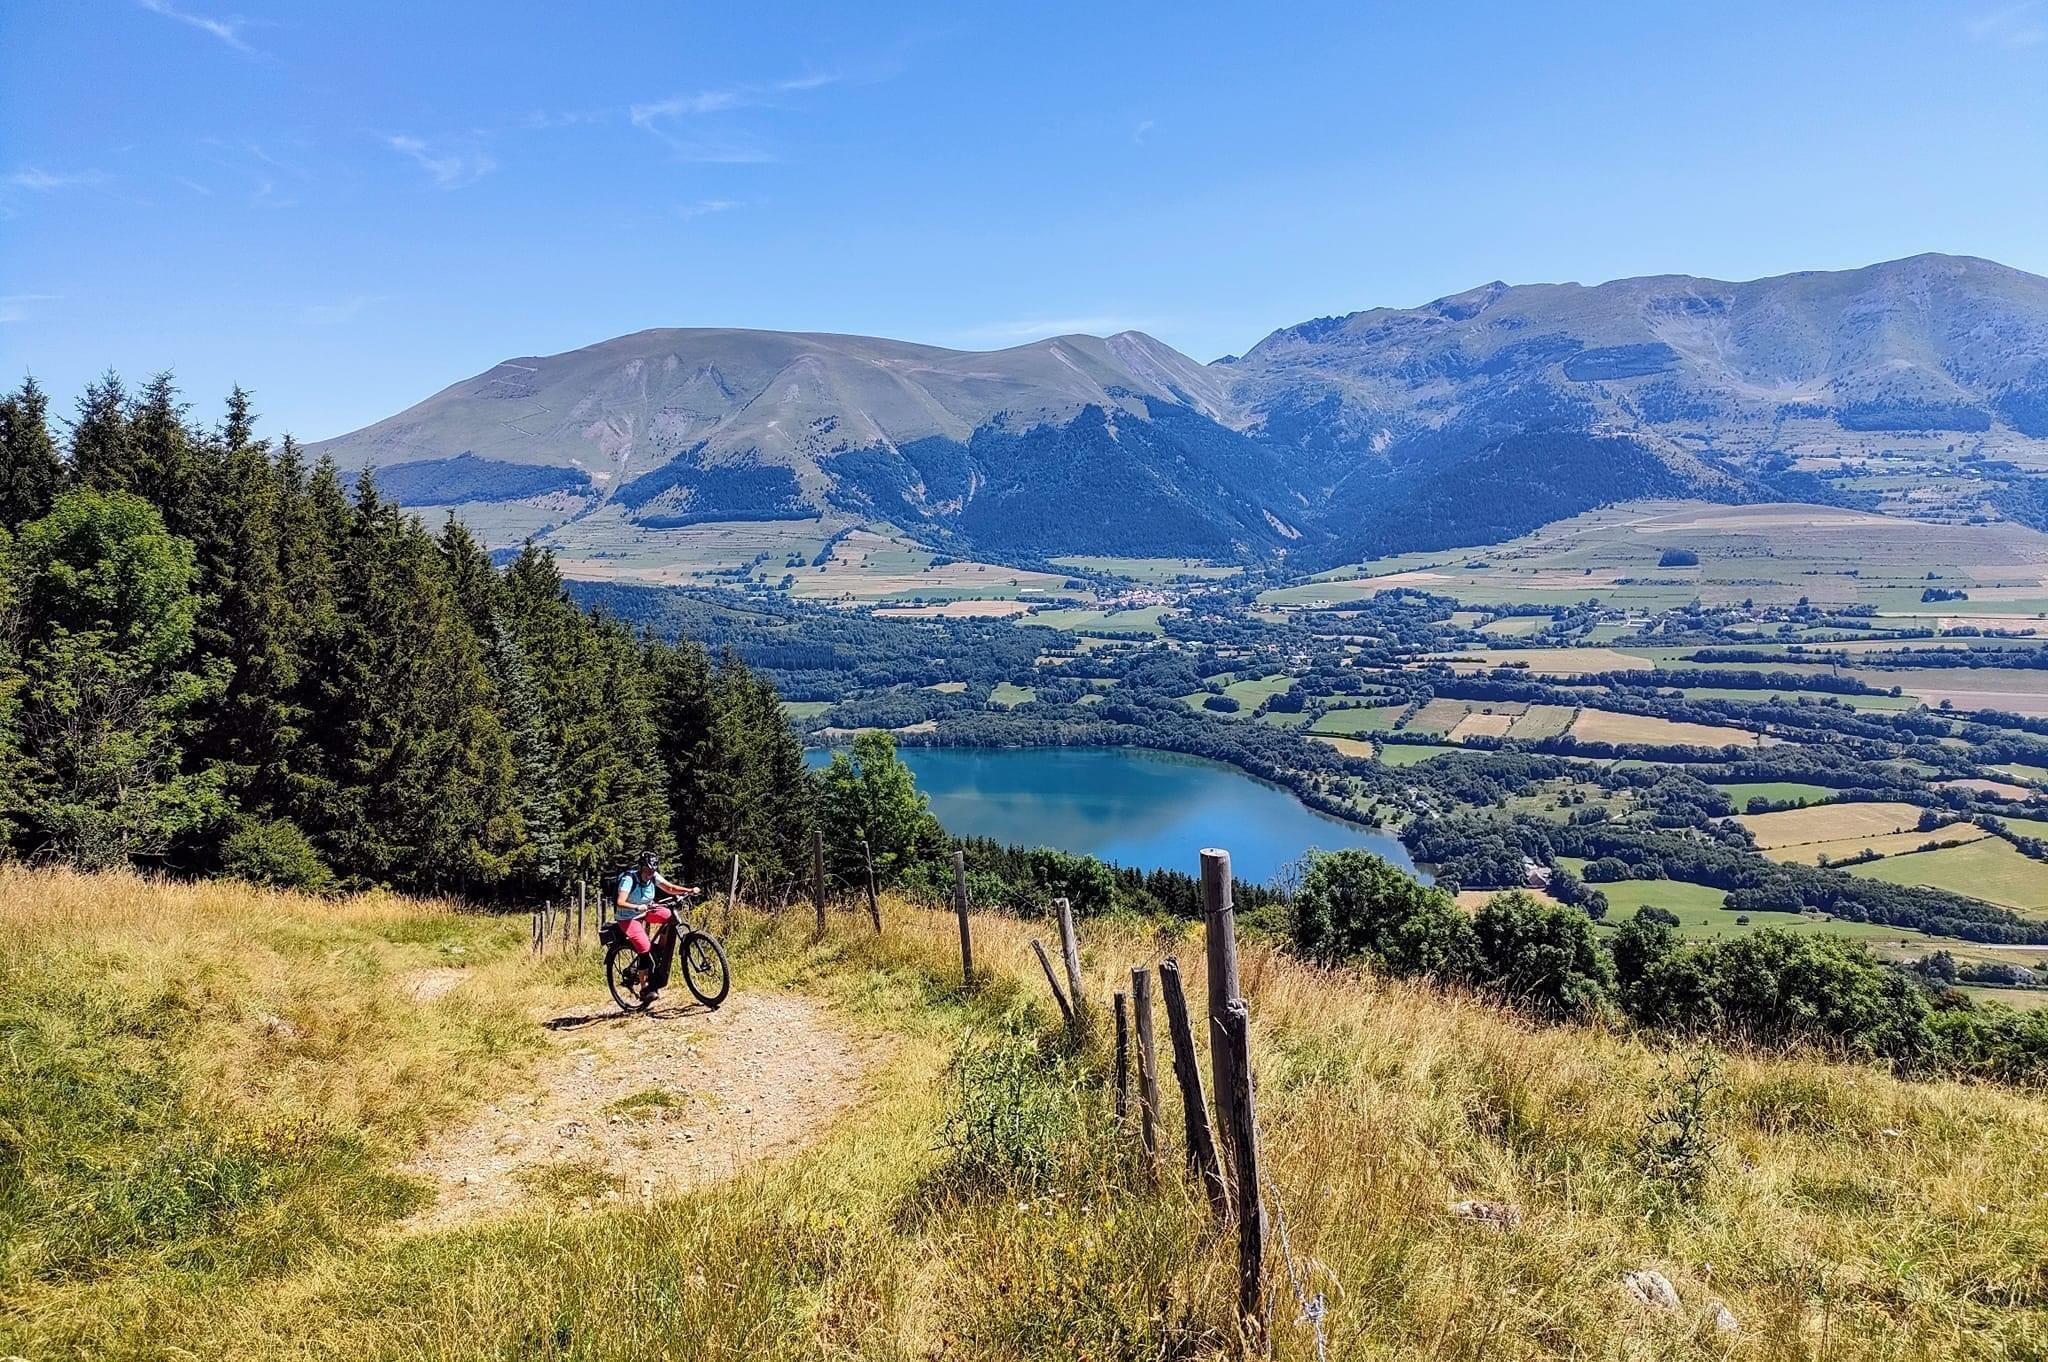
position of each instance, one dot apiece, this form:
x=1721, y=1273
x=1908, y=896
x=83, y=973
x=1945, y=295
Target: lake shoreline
x=1131, y=804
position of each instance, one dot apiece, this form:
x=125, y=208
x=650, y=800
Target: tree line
x=215, y=657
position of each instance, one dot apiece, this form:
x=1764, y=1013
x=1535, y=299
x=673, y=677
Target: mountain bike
x=634, y=979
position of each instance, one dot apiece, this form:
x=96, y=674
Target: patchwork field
x=1359, y=719
x=1151, y=571
x=1142, y=620
x=1350, y=747
x=1770, y=554
x=1829, y=823
x=1542, y=721
x=1411, y=754
x=1991, y=869
x=1601, y=725
x=1777, y=791
x=1482, y=725
x=1884, y=844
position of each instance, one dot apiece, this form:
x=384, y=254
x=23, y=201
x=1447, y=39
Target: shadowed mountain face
x=1474, y=416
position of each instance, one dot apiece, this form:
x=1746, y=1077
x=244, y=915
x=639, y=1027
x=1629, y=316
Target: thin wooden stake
x=1148, y=1070
x=582, y=902
x=1194, y=1105
x=1070, y=952
x=874, y=901
x=1219, y=933
x=732, y=891
x=1251, y=1204
x=818, y=879
x=1045, y=963
x=1123, y=1060
x=960, y=911
x=565, y=922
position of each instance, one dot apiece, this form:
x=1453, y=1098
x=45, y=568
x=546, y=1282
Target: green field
x=1701, y=916
x=1412, y=754
x=1144, y=620
x=1991, y=869
x=1008, y=695
x=805, y=709
x=1253, y=693
x=1777, y=791
x=1363, y=719
x=2021, y=771
x=1151, y=571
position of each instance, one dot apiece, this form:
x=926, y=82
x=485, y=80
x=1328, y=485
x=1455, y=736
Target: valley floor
x=230, y=1123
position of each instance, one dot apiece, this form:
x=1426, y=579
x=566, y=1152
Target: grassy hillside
x=209, y=1094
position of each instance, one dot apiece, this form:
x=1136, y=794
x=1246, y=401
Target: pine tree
x=31, y=474
x=168, y=472
x=539, y=861
x=683, y=714
x=102, y=443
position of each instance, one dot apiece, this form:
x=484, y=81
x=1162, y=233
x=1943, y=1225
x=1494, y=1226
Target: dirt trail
x=633, y=1107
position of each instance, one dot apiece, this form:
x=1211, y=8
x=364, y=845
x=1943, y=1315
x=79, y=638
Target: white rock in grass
x=1498, y=1215
x=1653, y=1289
x=1723, y=1319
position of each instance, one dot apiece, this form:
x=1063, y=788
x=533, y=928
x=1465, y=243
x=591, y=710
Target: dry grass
x=1832, y=823
x=1603, y=725
x=1847, y=1215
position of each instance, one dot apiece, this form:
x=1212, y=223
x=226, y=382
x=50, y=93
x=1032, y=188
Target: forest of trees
x=216, y=658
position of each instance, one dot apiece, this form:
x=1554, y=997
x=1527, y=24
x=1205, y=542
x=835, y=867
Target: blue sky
x=346, y=207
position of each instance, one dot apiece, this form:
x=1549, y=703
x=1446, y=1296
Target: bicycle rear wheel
x=705, y=972
x=626, y=978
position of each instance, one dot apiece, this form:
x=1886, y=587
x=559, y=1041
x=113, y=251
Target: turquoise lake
x=1129, y=805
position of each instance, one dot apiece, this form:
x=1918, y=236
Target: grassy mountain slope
x=207, y=1101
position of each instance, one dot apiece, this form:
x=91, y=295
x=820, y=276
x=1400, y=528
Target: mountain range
x=1478, y=415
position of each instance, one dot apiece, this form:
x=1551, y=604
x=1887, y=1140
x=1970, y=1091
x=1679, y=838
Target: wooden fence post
x=1194, y=1106
x=818, y=879
x=874, y=901
x=732, y=891
x=533, y=933
x=1070, y=952
x=565, y=918
x=960, y=911
x=1244, y=1139
x=1219, y=935
x=582, y=902
x=1123, y=1060
x=1148, y=1070
x=1051, y=982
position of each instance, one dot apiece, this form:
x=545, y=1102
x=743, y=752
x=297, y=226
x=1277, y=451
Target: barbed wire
x=1314, y=1308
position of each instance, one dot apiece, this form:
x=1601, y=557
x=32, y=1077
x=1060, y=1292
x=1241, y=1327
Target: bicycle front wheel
x=705, y=972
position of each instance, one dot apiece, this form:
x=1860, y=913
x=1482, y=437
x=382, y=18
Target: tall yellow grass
x=1849, y=1215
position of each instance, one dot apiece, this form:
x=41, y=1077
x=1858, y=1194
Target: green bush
x=275, y=853
x=1352, y=904
x=1542, y=956
x=1017, y=1120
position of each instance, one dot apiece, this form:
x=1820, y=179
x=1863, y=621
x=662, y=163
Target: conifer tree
x=31, y=474
x=102, y=444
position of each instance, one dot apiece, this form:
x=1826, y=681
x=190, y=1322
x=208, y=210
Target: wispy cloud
x=228, y=31
x=337, y=312
x=674, y=119
x=14, y=307
x=39, y=181
x=2015, y=26
x=451, y=166
x=1138, y=133
x=1035, y=328
x=704, y=208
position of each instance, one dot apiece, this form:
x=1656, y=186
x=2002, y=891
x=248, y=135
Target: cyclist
x=634, y=906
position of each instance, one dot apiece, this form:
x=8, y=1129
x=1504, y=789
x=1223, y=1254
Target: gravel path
x=650, y=1104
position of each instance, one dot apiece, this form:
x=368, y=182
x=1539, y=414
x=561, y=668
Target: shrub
x=275, y=853
x=1017, y=1118
x=1543, y=956
x=1222, y=704
x=1352, y=904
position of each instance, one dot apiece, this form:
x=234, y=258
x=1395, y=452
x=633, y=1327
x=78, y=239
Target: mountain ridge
x=1328, y=438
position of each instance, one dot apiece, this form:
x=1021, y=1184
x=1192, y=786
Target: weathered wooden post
x=582, y=902
x=960, y=911
x=818, y=879
x=533, y=933
x=1148, y=1070
x=732, y=891
x=1123, y=1060
x=565, y=918
x=1194, y=1106
x=1244, y=1140
x=874, y=901
x=1070, y=952
x=1051, y=982
x=1219, y=935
